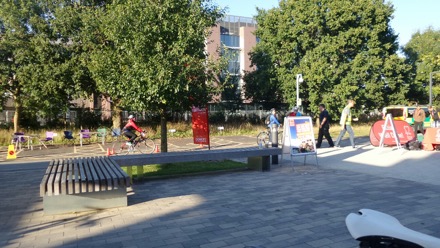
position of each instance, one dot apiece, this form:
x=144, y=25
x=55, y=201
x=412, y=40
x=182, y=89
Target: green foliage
x=229, y=77
x=344, y=49
x=153, y=55
x=89, y=119
x=423, y=52
x=141, y=55
x=36, y=69
x=261, y=84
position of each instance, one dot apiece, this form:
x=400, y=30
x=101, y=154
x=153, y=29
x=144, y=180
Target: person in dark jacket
x=324, y=127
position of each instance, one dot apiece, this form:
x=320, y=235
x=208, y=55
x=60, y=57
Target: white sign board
x=299, y=139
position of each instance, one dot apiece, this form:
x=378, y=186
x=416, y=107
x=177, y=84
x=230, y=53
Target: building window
x=230, y=40
x=231, y=24
x=233, y=56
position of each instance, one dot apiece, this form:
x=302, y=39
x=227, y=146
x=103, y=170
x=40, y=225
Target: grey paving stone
x=320, y=242
x=214, y=245
x=10, y=245
x=281, y=208
x=342, y=244
x=195, y=242
x=281, y=237
x=238, y=246
x=118, y=239
x=238, y=240
x=177, y=240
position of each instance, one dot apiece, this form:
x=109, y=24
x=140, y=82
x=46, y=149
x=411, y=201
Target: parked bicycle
x=141, y=144
x=264, y=137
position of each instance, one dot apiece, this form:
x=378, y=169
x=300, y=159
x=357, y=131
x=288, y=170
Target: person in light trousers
x=345, y=123
x=435, y=122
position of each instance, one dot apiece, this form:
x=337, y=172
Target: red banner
x=200, y=126
x=403, y=130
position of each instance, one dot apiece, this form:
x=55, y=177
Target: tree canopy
x=423, y=52
x=143, y=55
x=36, y=69
x=153, y=57
x=345, y=49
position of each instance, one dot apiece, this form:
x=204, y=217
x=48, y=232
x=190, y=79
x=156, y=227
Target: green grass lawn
x=175, y=169
x=184, y=131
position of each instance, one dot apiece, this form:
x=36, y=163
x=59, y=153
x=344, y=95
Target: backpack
x=435, y=116
x=413, y=145
x=267, y=121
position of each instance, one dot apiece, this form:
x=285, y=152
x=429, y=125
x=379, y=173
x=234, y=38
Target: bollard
x=274, y=141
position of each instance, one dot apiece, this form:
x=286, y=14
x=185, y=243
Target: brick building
x=236, y=33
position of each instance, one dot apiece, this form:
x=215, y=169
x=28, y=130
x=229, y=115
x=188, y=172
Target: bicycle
x=264, y=137
x=142, y=144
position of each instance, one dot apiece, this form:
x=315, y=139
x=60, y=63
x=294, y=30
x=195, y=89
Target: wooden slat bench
x=83, y=184
x=258, y=159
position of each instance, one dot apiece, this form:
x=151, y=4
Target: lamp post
x=430, y=86
x=299, y=79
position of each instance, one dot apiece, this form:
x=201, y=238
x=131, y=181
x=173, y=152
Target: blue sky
x=409, y=16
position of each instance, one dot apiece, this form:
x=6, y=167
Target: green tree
x=230, y=77
x=77, y=25
x=36, y=69
x=344, y=49
x=24, y=32
x=423, y=52
x=153, y=56
x=261, y=84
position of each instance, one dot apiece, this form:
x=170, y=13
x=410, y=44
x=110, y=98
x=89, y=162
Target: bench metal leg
x=260, y=163
x=60, y=204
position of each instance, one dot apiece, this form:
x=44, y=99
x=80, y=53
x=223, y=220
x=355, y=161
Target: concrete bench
x=258, y=159
x=83, y=184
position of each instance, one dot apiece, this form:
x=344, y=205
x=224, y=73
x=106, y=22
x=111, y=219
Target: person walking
x=273, y=118
x=419, y=117
x=324, y=127
x=434, y=116
x=345, y=123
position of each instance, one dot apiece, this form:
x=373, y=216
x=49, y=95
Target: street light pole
x=430, y=86
x=299, y=79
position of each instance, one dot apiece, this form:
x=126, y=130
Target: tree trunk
x=116, y=116
x=163, y=132
x=17, y=114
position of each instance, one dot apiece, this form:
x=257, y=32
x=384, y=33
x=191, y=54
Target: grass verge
x=176, y=169
x=183, y=130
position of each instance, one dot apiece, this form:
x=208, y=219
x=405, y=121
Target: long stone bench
x=257, y=158
x=83, y=184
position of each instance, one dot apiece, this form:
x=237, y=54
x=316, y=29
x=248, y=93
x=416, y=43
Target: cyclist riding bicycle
x=129, y=129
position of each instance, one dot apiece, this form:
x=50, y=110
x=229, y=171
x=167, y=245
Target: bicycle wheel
x=120, y=147
x=263, y=138
x=146, y=146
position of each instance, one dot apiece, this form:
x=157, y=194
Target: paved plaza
x=299, y=206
